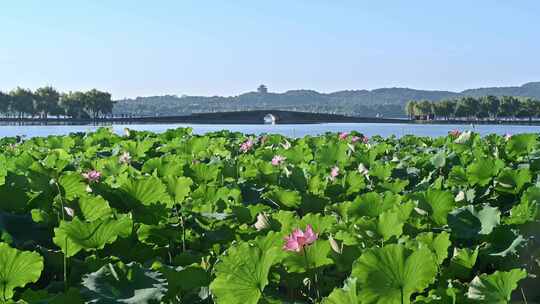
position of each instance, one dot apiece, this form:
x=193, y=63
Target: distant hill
x=386, y=101
x=531, y=89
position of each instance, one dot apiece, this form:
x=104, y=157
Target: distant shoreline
x=253, y=118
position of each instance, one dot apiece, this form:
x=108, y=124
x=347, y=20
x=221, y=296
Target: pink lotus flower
x=298, y=239
x=92, y=176
x=246, y=146
x=365, y=139
x=343, y=135
x=355, y=139
x=278, y=160
x=334, y=173
x=455, y=133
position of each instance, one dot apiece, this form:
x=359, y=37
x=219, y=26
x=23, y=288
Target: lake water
x=369, y=129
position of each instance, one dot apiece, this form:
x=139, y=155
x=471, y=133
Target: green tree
x=5, y=101
x=463, y=109
x=493, y=104
x=474, y=106
x=445, y=108
x=528, y=108
x=509, y=106
x=483, y=110
x=22, y=102
x=47, y=101
x=424, y=107
x=450, y=106
x=410, y=109
x=98, y=103
x=438, y=110
x=73, y=104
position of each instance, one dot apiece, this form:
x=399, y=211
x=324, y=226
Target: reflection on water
x=369, y=129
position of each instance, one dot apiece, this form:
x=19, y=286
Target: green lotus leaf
x=21, y=229
x=76, y=235
x=17, y=268
x=57, y=160
x=164, y=166
x=372, y=204
x=59, y=142
x=347, y=294
x=124, y=283
x=468, y=222
x=283, y=197
x=72, y=296
x=317, y=256
x=13, y=198
x=521, y=144
x=457, y=177
x=204, y=173
x=73, y=185
x=298, y=153
x=527, y=210
x=94, y=207
x=391, y=274
x=178, y=187
x=483, y=170
x=391, y=222
x=182, y=280
x=330, y=155
x=504, y=241
x=462, y=262
x=146, y=191
x=198, y=146
x=439, y=159
x=395, y=186
x=157, y=235
x=381, y=171
x=437, y=203
x=137, y=149
x=512, y=181
x=495, y=288
x=442, y=295
x=242, y=273
x=438, y=244
x=3, y=169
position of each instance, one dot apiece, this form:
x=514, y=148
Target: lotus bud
x=262, y=222
x=286, y=145
x=362, y=169
x=69, y=211
x=460, y=196
x=287, y=171
x=420, y=211
x=335, y=246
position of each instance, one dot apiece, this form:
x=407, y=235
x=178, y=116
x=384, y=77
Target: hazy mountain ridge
x=387, y=101
x=530, y=89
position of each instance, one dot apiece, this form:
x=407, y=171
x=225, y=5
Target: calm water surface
x=369, y=129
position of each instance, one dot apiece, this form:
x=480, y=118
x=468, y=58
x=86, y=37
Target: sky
x=222, y=47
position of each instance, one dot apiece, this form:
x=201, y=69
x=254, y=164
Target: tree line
x=46, y=101
x=486, y=107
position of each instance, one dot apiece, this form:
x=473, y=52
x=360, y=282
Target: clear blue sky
x=138, y=48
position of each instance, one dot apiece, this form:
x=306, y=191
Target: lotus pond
x=227, y=217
